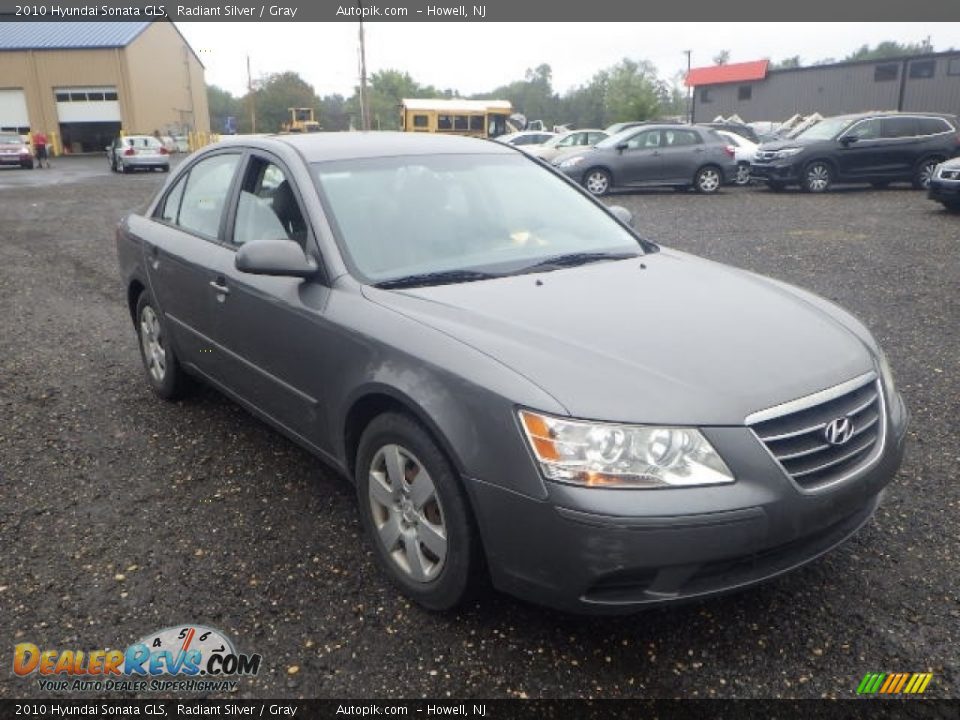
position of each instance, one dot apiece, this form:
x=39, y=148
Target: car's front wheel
x=924, y=173
x=818, y=177
x=708, y=180
x=415, y=512
x=743, y=174
x=597, y=181
x=160, y=363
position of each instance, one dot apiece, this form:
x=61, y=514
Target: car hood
x=785, y=143
x=667, y=338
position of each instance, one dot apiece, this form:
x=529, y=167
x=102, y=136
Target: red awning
x=735, y=72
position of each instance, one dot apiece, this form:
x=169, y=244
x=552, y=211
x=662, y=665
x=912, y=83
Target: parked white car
x=526, y=137
x=744, y=154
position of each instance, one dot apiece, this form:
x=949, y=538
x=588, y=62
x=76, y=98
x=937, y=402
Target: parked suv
x=878, y=148
x=668, y=154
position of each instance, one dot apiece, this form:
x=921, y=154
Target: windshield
x=826, y=129
x=499, y=214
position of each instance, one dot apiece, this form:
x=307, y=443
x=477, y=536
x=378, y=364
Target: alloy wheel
x=597, y=183
x=818, y=177
x=407, y=514
x=151, y=340
x=708, y=180
x=743, y=174
x=926, y=174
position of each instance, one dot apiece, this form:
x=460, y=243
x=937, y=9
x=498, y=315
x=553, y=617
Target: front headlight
x=788, y=152
x=631, y=456
x=571, y=162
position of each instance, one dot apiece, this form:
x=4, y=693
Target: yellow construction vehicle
x=302, y=120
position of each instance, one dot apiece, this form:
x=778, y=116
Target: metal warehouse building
x=83, y=82
x=753, y=91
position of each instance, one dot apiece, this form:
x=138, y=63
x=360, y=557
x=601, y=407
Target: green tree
x=273, y=96
x=533, y=96
x=631, y=91
x=222, y=105
x=890, y=49
x=722, y=57
x=790, y=62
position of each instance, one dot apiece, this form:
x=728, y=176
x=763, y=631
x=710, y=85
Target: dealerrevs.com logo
x=187, y=658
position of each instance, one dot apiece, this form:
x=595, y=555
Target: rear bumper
x=615, y=551
x=149, y=161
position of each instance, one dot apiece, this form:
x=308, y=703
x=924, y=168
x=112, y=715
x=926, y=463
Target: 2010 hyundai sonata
x=517, y=384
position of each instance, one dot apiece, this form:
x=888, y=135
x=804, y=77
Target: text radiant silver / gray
x=516, y=383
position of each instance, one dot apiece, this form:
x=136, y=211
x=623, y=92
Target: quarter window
x=933, y=126
x=205, y=194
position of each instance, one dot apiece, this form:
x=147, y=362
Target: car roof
x=326, y=146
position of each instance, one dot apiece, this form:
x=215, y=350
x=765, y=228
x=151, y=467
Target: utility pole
x=689, y=90
x=253, y=102
x=364, y=105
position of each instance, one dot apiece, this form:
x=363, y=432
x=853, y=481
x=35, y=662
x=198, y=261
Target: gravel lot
x=122, y=514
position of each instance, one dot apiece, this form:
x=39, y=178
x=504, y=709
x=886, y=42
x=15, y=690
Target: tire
x=952, y=206
x=160, y=364
x=165, y=168
x=123, y=167
x=708, y=179
x=743, y=174
x=817, y=177
x=27, y=166
x=416, y=517
x=924, y=172
x=597, y=181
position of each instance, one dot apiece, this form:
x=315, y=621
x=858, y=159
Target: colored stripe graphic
x=894, y=683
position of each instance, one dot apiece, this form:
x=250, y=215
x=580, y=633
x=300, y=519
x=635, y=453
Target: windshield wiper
x=436, y=278
x=574, y=259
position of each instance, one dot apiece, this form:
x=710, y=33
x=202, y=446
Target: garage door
x=87, y=104
x=13, y=111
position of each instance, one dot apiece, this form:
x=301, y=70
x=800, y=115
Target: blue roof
x=68, y=35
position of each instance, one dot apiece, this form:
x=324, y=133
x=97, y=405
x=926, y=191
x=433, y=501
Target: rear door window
x=900, y=127
x=205, y=194
x=933, y=126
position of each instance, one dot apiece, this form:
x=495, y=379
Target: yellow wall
x=156, y=76
x=166, y=82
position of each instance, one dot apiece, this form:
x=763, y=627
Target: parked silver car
x=514, y=381
x=681, y=156
x=132, y=152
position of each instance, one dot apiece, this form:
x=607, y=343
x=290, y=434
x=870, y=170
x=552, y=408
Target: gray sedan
x=681, y=156
x=515, y=382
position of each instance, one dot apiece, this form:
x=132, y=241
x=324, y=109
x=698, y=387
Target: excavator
x=302, y=120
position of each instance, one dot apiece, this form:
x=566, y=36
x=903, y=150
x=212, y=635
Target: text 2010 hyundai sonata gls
x=516, y=382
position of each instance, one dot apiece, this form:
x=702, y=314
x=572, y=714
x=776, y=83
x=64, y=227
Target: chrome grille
x=796, y=433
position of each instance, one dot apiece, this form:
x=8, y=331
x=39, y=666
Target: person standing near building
x=40, y=148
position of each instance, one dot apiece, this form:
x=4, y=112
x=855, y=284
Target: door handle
x=154, y=254
x=219, y=286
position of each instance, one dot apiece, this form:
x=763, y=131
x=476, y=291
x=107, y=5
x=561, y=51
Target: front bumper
x=782, y=171
x=616, y=551
x=945, y=191
x=16, y=160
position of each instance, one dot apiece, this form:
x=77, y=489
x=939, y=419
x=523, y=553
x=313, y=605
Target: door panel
x=641, y=162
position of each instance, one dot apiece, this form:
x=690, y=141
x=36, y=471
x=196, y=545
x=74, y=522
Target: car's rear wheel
x=123, y=167
x=951, y=205
x=924, y=173
x=708, y=180
x=415, y=512
x=597, y=181
x=817, y=177
x=160, y=363
x=743, y=174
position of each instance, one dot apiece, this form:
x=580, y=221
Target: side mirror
x=848, y=139
x=621, y=214
x=621, y=147
x=274, y=257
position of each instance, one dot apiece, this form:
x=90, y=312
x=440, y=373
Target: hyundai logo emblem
x=839, y=431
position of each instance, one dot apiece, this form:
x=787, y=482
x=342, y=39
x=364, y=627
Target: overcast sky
x=478, y=57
